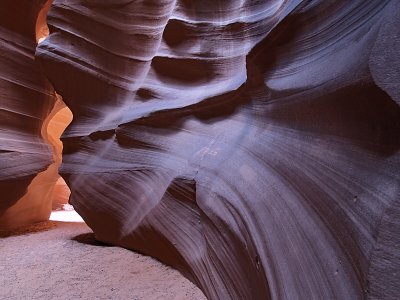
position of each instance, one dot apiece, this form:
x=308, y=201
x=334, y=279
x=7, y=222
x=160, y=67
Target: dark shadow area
x=144, y=94
x=177, y=32
x=12, y=190
x=182, y=71
x=365, y=115
x=89, y=239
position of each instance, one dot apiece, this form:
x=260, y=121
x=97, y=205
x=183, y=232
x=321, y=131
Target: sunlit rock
x=30, y=149
x=253, y=145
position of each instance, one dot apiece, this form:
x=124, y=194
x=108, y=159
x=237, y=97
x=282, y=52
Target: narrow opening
x=42, y=30
x=58, y=120
x=55, y=127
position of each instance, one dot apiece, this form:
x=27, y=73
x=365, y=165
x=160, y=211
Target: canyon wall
x=253, y=145
x=27, y=169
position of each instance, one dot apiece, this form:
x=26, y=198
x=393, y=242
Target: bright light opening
x=66, y=216
x=58, y=120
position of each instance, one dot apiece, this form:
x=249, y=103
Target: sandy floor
x=62, y=260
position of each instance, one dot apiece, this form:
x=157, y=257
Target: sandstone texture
x=27, y=169
x=252, y=145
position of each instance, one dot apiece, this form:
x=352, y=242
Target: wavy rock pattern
x=253, y=145
x=27, y=175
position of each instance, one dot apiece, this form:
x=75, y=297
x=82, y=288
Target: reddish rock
x=253, y=145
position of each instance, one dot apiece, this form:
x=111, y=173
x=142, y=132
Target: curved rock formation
x=27, y=172
x=253, y=145
x=60, y=118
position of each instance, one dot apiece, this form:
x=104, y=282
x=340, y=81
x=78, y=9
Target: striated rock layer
x=27, y=171
x=254, y=145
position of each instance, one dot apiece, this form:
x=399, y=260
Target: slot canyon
x=228, y=149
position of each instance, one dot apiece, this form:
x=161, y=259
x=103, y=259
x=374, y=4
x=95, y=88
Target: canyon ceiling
x=252, y=145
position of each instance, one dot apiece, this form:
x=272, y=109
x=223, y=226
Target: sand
x=62, y=260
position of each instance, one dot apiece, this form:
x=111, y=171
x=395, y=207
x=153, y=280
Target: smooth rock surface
x=27, y=171
x=253, y=145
